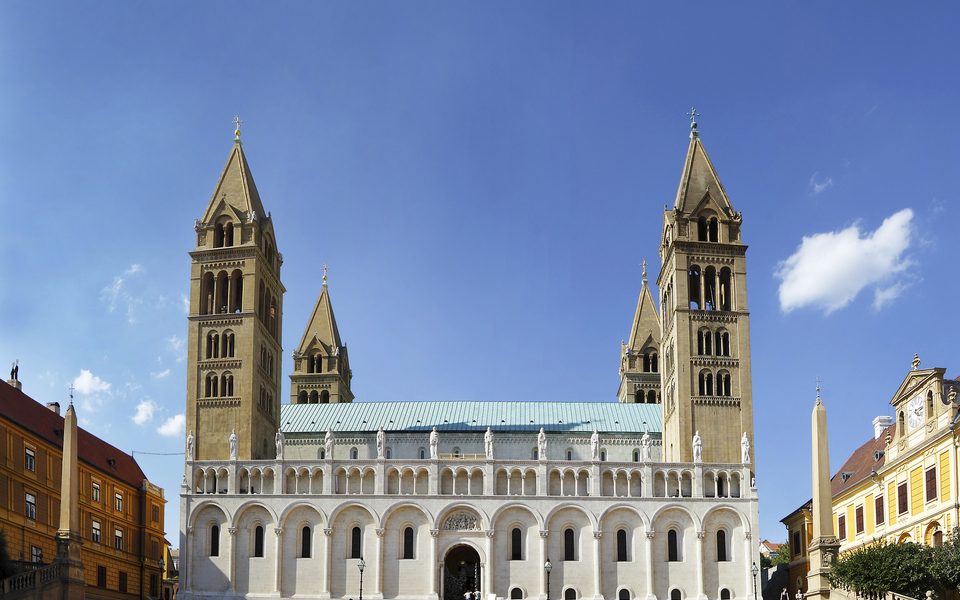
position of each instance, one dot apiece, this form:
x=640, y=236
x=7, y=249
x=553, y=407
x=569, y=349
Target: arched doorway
x=461, y=572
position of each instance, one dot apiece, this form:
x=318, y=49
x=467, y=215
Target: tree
x=908, y=568
x=782, y=555
x=946, y=561
x=6, y=569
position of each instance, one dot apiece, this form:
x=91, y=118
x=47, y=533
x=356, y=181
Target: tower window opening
x=228, y=234
x=646, y=363
x=706, y=383
x=702, y=229
x=713, y=229
x=215, y=540
x=622, y=545
x=218, y=235
x=929, y=404
x=900, y=428
x=569, y=545
x=673, y=546
x=651, y=397
x=725, y=290
x=408, y=543
x=710, y=288
x=223, y=293
x=516, y=544
x=305, y=542
x=355, y=540
x=324, y=397
x=258, y=542
x=314, y=397
x=721, y=546
x=694, y=285
x=638, y=397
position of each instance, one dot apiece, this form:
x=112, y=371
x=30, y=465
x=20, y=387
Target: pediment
x=915, y=381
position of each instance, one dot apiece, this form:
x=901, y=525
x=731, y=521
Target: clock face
x=915, y=412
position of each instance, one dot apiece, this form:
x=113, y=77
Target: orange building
x=121, y=513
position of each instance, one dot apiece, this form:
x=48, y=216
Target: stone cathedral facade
x=651, y=497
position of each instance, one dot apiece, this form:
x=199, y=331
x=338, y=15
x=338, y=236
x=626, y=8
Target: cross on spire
x=644, y=265
x=71, y=394
x=817, y=381
x=693, y=114
x=325, y=269
x=237, y=122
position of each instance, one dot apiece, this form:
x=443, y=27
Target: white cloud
x=828, y=270
x=819, y=187
x=179, y=347
x=87, y=383
x=161, y=374
x=145, y=411
x=133, y=270
x=186, y=304
x=174, y=426
x=114, y=294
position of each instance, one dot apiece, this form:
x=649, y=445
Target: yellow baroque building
x=900, y=486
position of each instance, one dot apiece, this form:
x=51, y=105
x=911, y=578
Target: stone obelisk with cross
x=824, y=545
x=68, y=535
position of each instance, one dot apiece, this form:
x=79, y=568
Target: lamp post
x=548, y=567
x=754, y=570
x=361, y=565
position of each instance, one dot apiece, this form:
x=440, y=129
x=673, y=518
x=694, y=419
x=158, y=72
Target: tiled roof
x=860, y=464
x=26, y=412
x=607, y=417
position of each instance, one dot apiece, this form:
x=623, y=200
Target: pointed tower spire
x=321, y=367
x=640, y=356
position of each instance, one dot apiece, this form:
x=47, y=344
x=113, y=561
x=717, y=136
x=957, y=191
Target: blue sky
x=483, y=180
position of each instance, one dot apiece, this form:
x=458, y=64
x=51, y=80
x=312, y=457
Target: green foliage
x=6, y=569
x=765, y=562
x=782, y=555
x=909, y=569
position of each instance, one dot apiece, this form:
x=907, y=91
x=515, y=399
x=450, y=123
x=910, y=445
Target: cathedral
x=651, y=497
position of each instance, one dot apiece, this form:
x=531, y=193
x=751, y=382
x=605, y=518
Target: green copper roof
x=609, y=417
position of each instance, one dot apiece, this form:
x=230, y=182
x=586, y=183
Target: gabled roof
x=914, y=379
x=699, y=183
x=646, y=321
x=323, y=324
x=412, y=416
x=860, y=464
x=24, y=411
x=236, y=189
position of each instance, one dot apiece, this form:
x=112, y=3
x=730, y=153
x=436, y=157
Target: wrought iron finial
x=237, y=122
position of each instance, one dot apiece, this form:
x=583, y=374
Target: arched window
x=603, y=455
x=713, y=229
x=710, y=288
x=215, y=540
x=725, y=289
x=623, y=595
x=516, y=594
x=654, y=363
x=622, y=545
x=353, y=453
x=258, y=541
x=228, y=234
x=675, y=595
x=638, y=396
x=305, y=542
x=408, y=543
x=929, y=404
x=229, y=348
x=218, y=235
x=569, y=545
x=388, y=454
x=456, y=452
x=651, y=397
x=724, y=594
x=355, y=541
x=900, y=423
x=422, y=453
x=302, y=397
x=570, y=594
x=673, y=545
x=314, y=397
x=324, y=397
x=694, y=285
x=536, y=454
x=702, y=229
x=706, y=383
x=569, y=454
x=636, y=456
x=722, y=546
x=516, y=544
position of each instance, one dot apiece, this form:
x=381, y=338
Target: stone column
x=488, y=590
x=328, y=478
x=543, y=480
x=327, y=562
x=378, y=573
x=597, y=593
x=279, y=561
x=68, y=535
x=700, y=536
x=596, y=481
x=543, y=560
x=748, y=551
x=232, y=559
x=380, y=484
x=186, y=569
x=434, y=573
x=649, y=570
x=697, y=490
x=434, y=477
x=824, y=546
x=490, y=479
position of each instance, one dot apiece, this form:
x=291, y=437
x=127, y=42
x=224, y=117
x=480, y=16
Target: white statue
x=434, y=443
x=234, y=445
x=646, y=446
x=542, y=445
x=328, y=442
x=697, y=447
x=279, y=440
x=488, y=443
x=381, y=442
x=744, y=448
x=595, y=445
x=190, y=442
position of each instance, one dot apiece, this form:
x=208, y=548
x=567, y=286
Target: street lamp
x=754, y=570
x=548, y=567
x=160, y=564
x=361, y=565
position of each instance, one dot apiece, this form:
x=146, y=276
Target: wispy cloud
x=161, y=374
x=186, y=303
x=174, y=426
x=115, y=294
x=145, y=411
x=819, y=187
x=179, y=347
x=828, y=270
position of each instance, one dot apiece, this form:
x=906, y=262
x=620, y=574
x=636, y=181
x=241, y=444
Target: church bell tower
x=236, y=307
x=705, y=337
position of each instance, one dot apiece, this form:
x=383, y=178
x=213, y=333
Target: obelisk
x=824, y=545
x=68, y=536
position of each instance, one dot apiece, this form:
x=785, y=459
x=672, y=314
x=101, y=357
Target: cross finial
x=817, y=381
x=71, y=394
x=644, y=265
x=693, y=114
x=325, y=273
x=237, y=122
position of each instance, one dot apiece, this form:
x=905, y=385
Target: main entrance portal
x=461, y=572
